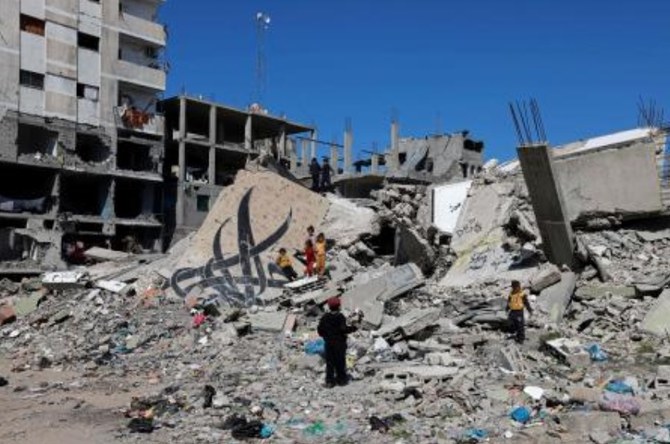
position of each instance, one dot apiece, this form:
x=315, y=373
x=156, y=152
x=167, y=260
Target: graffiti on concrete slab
x=216, y=276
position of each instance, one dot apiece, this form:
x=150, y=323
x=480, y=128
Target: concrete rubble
x=209, y=330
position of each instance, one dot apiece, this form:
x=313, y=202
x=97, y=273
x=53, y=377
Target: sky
x=438, y=65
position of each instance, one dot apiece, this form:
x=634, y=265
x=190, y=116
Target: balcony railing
x=143, y=28
x=153, y=76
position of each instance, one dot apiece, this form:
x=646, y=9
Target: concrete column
x=211, y=171
x=282, y=143
x=179, y=217
x=547, y=198
x=334, y=159
x=304, y=157
x=313, y=145
x=348, y=140
x=374, y=164
x=248, y=134
x=293, y=152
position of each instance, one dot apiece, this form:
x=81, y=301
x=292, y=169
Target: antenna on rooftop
x=262, y=25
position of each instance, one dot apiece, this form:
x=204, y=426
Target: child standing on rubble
x=310, y=257
x=333, y=329
x=284, y=262
x=320, y=250
x=516, y=302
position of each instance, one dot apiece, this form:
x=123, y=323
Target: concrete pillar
x=248, y=133
x=304, y=157
x=374, y=164
x=313, y=145
x=211, y=171
x=282, y=143
x=547, y=198
x=334, y=159
x=179, y=217
x=392, y=160
x=293, y=152
x=348, y=141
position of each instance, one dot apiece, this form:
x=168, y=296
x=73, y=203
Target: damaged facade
x=81, y=144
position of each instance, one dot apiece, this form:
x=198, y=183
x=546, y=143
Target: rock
x=555, y=299
x=547, y=275
x=410, y=323
x=412, y=247
x=268, y=321
x=657, y=320
x=7, y=314
x=347, y=222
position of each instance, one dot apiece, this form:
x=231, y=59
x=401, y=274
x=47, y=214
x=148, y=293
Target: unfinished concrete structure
x=206, y=145
x=80, y=141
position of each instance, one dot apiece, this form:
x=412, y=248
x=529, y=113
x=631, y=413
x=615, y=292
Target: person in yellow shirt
x=516, y=302
x=320, y=249
x=284, y=262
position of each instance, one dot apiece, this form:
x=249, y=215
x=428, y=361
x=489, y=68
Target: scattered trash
x=199, y=319
x=624, y=404
x=521, y=414
x=141, y=425
x=596, y=352
x=619, y=387
x=315, y=347
x=534, y=392
x=474, y=435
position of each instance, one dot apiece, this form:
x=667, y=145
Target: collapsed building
x=82, y=144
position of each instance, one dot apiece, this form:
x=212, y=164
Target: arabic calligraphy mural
x=245, y=288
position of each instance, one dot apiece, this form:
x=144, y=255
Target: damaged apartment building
x=206, y=144
x=81, y=144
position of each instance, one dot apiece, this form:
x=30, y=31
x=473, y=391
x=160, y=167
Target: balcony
x=142, y=75
x=133, y=119
x=142, y=28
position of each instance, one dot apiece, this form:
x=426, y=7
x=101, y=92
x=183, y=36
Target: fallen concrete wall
x=448, y=201
x=623, y=180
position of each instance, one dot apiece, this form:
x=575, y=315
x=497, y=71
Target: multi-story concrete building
x=206, y=145
x=81, y=144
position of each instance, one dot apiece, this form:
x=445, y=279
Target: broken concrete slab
x=65, y=279
x=26, y=305
x=547, y=275
x=346, y=222
x=422, y=373
x=657, y=320
x=103, y=254
x=410, y=323
x=113, y=286
x=584, y=422
x=554, y=300
x=318, y=297
x=590, y=292
x=410, y=246
x=268, y=321
x=650, y=418
x=370, y=296
x=570, y=351
x=653, y=236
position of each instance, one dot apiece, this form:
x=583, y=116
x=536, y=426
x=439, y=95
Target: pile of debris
x=226, y=349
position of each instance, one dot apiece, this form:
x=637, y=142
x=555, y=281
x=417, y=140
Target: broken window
x=464, y=169
x=32, y=25
x=202, y=203
x=84, y=194
x=25, y=189
x=135, y=157
x=37, y=141
x=88, y=41
x=402, y=158
x=31, y=79
x=87, y=92
x=91, y=148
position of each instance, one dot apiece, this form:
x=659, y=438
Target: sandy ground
x=52, y=407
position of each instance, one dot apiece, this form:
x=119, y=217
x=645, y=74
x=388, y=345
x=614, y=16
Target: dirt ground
x=52, y=407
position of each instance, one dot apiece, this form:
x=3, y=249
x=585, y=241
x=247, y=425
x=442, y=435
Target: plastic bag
x=597, y=354
x=315, y=347
x=521, y=414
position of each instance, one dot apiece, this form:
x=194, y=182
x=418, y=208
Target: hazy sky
x=443, y=65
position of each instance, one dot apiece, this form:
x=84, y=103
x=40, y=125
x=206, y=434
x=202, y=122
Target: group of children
x=313, y=256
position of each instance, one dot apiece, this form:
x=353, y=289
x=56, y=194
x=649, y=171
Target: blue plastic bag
x=619, y=387
x=476, y=434
x=315, y=347
x=597, y=354
x=521, y=414
x=267, y=431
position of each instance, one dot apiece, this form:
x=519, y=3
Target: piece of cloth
x=517, y=324
x=290, y=273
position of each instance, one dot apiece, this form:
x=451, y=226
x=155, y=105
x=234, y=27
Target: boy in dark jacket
x=333, y=329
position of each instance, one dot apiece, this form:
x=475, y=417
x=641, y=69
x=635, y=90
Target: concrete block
x=648, y=419
x=411, y=247
x=28, y=304
x=410, y=323
x=570, y=351
x=103, y=254
x=113, y=286
x=546, y=276
x=589, y=292
x=268, y=321
x=585, y=422
x=422, y=373
x=657, y=321
x=555, y=299
x=65, y=279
